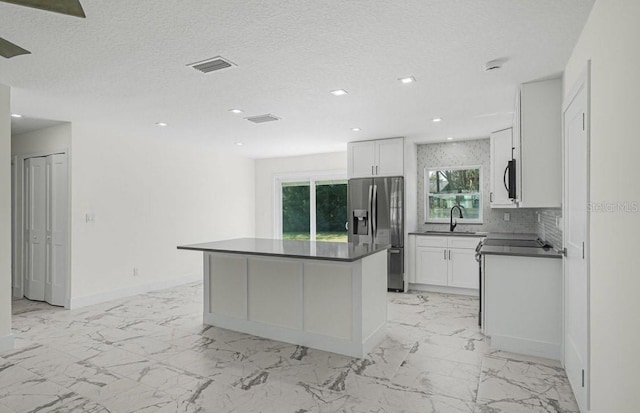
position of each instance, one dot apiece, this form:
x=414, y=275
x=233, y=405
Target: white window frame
x=428, y=220
x=312, y=178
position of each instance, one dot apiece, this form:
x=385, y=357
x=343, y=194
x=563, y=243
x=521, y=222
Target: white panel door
x=390, y=157
x=431, y=265
x=576, y=299
x=35, y=228
x=362, y=159
x=463, y=268
x=57, y=266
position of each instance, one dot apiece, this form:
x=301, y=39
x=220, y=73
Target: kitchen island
x=325, y=295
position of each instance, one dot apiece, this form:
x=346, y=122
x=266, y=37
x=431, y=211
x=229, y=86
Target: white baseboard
x=7, y=342
x=443, y=289
x=298, y=337
x=527, y=347
x=87, y=300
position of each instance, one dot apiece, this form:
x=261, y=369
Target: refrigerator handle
x=374, y=212
x=370, y=210
x=398, y=196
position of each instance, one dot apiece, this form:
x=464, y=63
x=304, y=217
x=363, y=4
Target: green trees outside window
x=314, y=210
x=447, y=187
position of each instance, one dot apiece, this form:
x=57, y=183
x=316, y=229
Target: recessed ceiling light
x=239, y=143
x=15, y=115
x=437, y=119
x=356, y=129
x=409, y=79
x=236, y=111
x=339, y=92
x=450, y=138
x=161, y=124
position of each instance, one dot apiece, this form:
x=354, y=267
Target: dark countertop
x=329, y=251
x=449, y=234
x=520, y=251
x=512, y=235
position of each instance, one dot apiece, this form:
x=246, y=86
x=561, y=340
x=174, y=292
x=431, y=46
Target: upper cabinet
x=537, y=141
x=384, y=157
x=501, y=145
x=526, y=161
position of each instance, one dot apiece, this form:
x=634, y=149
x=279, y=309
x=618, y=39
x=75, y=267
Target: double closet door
x=46, y=215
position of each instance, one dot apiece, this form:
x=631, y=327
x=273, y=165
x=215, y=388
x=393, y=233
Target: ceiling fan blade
x=9, y=50
x=70, y=7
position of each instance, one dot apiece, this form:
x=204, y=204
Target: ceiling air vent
x=262, y=118
x=213, y=64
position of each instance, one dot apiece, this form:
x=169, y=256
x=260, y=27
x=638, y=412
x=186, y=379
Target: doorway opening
x=40, y=227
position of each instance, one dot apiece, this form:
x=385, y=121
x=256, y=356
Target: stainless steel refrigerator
x=376, y=216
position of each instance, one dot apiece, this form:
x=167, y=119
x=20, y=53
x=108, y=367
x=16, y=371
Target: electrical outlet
x=136, y=271
x=539, y=217
x=507, y=216
x=90, y=217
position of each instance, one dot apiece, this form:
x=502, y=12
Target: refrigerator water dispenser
x=360, y=222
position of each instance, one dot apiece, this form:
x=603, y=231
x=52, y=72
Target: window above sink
x=447, y=187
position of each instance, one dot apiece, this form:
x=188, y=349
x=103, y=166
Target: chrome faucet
x=453, y=226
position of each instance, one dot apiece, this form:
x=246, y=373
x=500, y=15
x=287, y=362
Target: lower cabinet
x=463, y=268
x=446, y=261
x=522, y=300
x=431, y=266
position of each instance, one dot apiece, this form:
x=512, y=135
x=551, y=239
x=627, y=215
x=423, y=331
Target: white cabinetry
x=463, y=268
x=501, y=145
x=431, y=265
x=522, y=299
x=537, y=144
x=384, y=157
x=445, y=261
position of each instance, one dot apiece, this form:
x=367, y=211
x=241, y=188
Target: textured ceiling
x=125, y=66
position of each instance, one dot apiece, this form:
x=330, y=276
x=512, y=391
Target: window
x=311, y=208
x=447, y=187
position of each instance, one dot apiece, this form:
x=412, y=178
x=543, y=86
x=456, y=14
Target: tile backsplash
x=547, y=229
x=471, y=153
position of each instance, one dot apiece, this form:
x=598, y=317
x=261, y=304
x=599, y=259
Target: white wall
x=6, y=341
x=48, y=140
x=267, y=169
x=149, y=194
x=43, y=141
x=611, y=39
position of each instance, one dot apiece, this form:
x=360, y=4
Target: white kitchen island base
x=333, y=305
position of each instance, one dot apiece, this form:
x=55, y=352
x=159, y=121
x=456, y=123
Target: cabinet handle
x=449, y=255
x=377, y=170
x=490, y=196
x=372, y=173
x=445, y=254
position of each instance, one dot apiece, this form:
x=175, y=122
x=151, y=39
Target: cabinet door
x=463, y=268
x=541, y=144
x=361, y=159
x=390, y=157
x=501, y=153
x=431, y=265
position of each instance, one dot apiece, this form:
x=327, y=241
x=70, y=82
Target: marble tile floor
x=151, y=353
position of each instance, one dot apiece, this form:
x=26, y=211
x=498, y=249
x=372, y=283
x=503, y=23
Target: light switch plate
x=506, y=216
